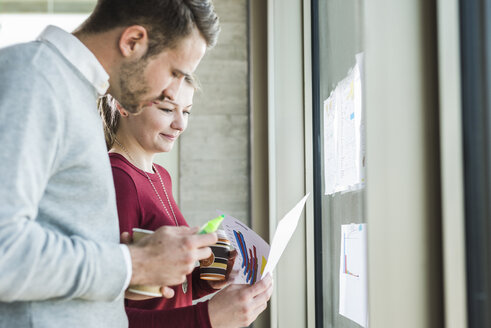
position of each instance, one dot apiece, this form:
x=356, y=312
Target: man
x=61, y=264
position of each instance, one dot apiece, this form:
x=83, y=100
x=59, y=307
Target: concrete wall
x=214, y=152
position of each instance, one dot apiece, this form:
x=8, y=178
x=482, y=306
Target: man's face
x=160, y=77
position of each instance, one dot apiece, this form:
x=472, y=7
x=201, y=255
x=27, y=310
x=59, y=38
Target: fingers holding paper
x=239, y=305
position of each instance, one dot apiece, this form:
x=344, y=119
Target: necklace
x=153, y=186
x=185, y=283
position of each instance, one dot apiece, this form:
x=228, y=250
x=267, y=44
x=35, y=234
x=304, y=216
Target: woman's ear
x=133, y=42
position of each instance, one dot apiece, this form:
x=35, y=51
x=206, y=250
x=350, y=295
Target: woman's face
x=159, y=125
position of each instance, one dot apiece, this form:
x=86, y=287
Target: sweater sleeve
x=36, y=262
x=184, y=317
x=129, y=211
x=201, y=288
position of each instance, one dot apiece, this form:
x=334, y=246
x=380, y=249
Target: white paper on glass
x=330, y=144
x=255, y=258
x=344, y=144
x=353, y=285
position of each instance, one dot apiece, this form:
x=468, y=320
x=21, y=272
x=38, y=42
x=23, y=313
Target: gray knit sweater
x=60, y=262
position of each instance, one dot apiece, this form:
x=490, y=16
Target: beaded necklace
x=153, y=186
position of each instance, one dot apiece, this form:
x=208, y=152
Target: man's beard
x=132, y=85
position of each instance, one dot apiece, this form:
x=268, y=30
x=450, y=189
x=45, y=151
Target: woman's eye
x=166, y=110
x=187, y=113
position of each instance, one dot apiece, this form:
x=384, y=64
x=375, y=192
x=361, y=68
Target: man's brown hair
x=166, y=21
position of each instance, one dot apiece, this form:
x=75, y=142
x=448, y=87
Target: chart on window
x=353, y=273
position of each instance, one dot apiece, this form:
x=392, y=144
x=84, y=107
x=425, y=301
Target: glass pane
x=338, y=65
x=475, y=29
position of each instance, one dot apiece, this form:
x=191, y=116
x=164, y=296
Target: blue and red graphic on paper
x=249, y=258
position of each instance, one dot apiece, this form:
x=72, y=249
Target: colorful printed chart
x=252, y=250
x=255, y=258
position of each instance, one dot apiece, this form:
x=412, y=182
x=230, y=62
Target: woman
x=144, y=199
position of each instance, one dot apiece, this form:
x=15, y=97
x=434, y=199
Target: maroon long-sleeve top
x=140, y=207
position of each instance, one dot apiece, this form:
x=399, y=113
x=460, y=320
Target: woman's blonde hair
x=111, y=116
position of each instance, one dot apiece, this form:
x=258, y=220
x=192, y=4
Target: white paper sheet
x=330, y=144
x=344, y=143
x=255, y=258
x=353, y=285
x=284, y=232
x=347, y=148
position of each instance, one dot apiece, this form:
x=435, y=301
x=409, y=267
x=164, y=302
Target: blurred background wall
x=214, y=152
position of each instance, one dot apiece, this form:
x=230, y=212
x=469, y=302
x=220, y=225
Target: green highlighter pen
x=212, y=225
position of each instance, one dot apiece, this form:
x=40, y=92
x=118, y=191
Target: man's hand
x=165, y=257
x=167, y=292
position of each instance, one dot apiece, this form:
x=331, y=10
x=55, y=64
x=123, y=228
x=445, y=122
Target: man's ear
x=133, y=42
x=121, y=110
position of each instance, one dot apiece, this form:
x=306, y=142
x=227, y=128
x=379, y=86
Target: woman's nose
x=178, y=123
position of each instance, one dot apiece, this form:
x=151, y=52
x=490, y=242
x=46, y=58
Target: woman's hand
x=230, y=264
x=239, y=305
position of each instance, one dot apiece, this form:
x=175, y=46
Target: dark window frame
x=475, y=36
